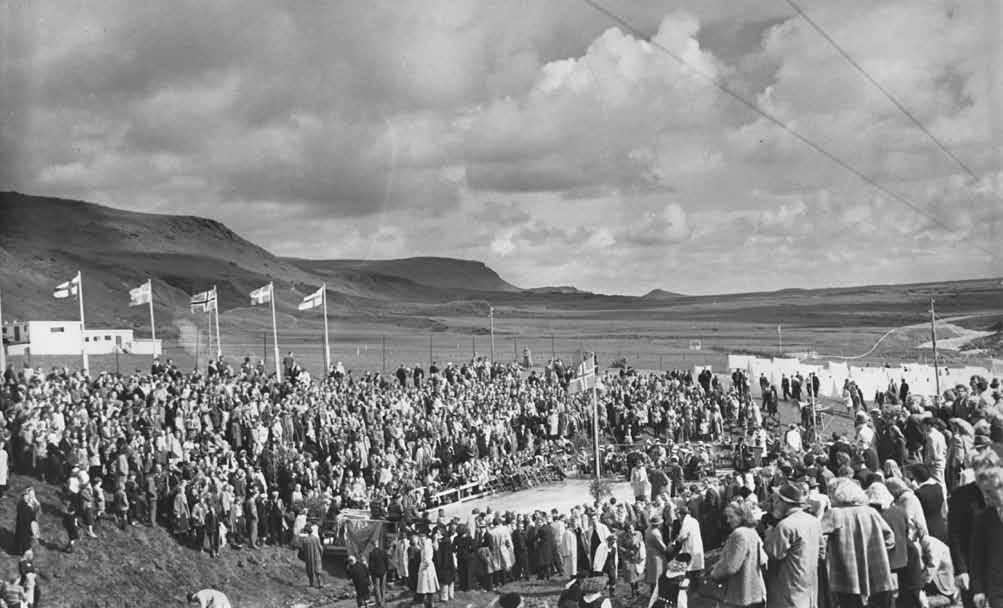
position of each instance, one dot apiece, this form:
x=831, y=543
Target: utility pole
x=553, y=349
x=430, y=350
x=780, y=336
x=936, y=365
x=515, y=347
x=264, y=347
x=491, y=316
x=384, y=354
x=473, y=347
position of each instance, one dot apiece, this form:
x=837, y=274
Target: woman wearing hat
x=742, y=560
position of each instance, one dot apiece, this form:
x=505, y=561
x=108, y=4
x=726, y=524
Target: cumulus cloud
x=540, y=137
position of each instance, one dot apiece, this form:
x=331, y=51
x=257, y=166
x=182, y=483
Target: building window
x=87, y=339
x=108, y=338
x=57, y=330
x=17, y=333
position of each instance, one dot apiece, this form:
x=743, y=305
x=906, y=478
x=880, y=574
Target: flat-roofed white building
x=64, y=338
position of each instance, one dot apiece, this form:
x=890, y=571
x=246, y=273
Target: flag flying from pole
x=141, y=295
x=585, y=376
x=67, y=289
x=261, y=295
x=204, y=301
x=313, y=300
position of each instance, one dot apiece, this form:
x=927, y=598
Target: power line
x=778, y=122
x=883, y=90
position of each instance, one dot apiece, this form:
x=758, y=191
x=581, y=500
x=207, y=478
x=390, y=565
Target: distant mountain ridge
x=437, y=272
x=556, y=290
x=661, y=294
x=44, y=240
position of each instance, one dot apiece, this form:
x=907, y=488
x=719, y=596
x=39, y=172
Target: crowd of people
x=232, y=457
x=905, y=510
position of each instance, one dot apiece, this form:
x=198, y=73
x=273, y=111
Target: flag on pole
x=585, y=376
x=67, y=289
x=313, y=300
x=141, y=295
x=204, y=301
x=261, y=295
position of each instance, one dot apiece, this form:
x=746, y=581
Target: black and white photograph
x=501, y=304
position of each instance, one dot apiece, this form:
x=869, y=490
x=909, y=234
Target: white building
x=63, y=338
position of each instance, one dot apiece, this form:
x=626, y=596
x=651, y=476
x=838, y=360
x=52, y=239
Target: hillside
x=440, y=273
x=661, y=294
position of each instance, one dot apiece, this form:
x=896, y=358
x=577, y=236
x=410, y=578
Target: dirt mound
x=144, y=566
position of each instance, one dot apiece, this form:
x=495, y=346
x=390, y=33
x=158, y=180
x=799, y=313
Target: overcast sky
x=535, y=135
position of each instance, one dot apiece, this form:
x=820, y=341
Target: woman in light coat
x=428, y=580
x=743, y=559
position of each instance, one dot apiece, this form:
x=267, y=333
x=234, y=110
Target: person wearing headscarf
x=906, y=498
x=634, y=556
x=857, y=548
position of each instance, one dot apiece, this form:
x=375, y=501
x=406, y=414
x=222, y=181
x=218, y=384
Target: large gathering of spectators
x=232, y=457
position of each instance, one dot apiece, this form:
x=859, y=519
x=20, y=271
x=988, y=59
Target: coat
x=546, y=546
x=741, y=566
x=857, y=551
x=931, y=498
x=313, y=553
x=963, y=508
x=691, y=541
x=428, y=580
x=939, y=569
x=656, y=553
x=568, y=547
x=502, y=554
x=182, y=518
x=4, y=466
x=794, y=547
x=445, y=562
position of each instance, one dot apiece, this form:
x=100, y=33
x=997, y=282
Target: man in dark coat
x=359, y=575
x=965, y=504
x=546, y=549
x=378, y=574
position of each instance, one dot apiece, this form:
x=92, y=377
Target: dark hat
x=790, y=493
x=510, y=600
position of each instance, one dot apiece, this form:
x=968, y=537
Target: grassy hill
x=440, y=273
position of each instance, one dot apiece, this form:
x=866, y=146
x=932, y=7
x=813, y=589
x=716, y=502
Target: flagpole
x=219, y=342
x=275, y=332
x=208, y=350
x=327, y=345
x=595, y=414
x=153, y=325
x=80, y=300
